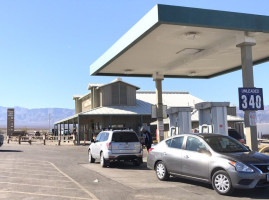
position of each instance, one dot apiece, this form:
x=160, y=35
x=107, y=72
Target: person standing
x=74, y=136
x=148, y=138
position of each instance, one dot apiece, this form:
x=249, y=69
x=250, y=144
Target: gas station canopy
x=185, y=42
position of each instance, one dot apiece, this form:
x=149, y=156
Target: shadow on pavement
x=259, y=193
x=10, y=151
x=128, y=165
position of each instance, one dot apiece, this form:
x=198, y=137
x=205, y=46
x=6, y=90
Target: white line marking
x=45, y=186
x=40, y=194
x=30, y=170
x=35, y=178
x=80, y=186
x=30, y=173
x=26, y=165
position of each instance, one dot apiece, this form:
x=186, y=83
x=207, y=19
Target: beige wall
x=78, y=106
x=131, y=95
x=106, y=95
x=86, y=103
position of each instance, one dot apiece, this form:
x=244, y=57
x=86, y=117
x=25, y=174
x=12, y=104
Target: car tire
x=91, y=159
x=222, y=183
x=161, y=171
x=103, y=161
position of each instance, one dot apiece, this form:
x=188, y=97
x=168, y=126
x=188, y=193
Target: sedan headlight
x=240, y=167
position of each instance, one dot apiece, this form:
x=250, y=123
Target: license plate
x=267, y=177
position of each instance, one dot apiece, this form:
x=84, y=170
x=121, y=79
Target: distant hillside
x=39, y=118
x=262, y=115
x=35, y=118
x=262, y=119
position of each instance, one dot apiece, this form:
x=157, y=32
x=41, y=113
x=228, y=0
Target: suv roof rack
x=117, y=129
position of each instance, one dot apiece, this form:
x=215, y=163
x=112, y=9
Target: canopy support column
x=248, y=82
x=159, y=104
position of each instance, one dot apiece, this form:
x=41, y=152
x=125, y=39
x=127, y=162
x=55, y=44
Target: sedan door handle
x=164, y=153
x=186, y=156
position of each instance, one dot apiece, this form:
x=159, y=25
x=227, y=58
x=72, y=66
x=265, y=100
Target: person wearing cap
x=148, y=137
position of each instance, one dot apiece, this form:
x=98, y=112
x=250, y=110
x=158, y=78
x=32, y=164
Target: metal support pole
x=68, y=127
x=78, y=132
x=159, y=104
x=248, y=82
x=141, y=120
x=110, y=122
x=59, y=135
x=44, y=139
x=64, y=132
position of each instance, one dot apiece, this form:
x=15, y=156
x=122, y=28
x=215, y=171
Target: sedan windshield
x=223, y=144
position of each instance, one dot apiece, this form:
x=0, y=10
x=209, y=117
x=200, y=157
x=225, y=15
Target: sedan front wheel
x=161, y=171
x=222, y=183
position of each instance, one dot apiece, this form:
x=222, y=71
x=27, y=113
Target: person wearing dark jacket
x=148, y=138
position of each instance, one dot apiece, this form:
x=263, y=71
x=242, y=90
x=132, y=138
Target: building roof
x=144, y=101
x=114, y=81
x=195, y=118
x=77, y=96
x=71, y=118
x=170, y=98
x=91, y=85
x=185, y=42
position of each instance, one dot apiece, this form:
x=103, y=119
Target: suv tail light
x=109, y=146
x=242, y=141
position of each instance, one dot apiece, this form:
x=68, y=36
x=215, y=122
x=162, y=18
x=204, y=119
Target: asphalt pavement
x=63, y=172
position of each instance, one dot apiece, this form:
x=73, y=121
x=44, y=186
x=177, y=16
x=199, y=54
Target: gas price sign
x=250, y=99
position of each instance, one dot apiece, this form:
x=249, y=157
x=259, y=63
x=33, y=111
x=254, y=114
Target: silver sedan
x=213, y=158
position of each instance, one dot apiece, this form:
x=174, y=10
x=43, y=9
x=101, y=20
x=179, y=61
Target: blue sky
x=47, y=46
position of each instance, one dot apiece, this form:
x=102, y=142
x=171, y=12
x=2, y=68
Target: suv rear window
x=124, y=137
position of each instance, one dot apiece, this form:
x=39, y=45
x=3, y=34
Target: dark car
x=213, y=158
x=234, y=134
x=1, y=139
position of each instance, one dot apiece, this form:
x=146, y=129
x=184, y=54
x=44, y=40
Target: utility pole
x=49, y=123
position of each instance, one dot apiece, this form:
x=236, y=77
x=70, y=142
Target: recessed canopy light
x=192, y=73
x=189, y=51
x=192, y=35
x=127, y=71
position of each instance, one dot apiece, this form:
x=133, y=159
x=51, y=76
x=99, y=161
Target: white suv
x=116, y=145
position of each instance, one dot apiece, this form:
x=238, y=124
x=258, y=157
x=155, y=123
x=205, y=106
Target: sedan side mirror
x=204, y=151
x=248, y=148
x=92, y=141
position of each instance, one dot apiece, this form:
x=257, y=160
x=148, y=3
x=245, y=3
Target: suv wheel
x=161, y=171
x=103, y=161
x=222, y=183
x=91, y=159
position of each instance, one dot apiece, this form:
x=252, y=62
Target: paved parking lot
x=26, y=179
x=63, y=172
